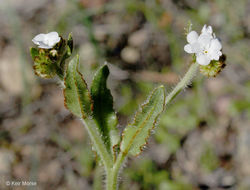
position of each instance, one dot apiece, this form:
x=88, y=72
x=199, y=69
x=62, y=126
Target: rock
x=11, y=68
x=20, y=171
x=100, y=32
x=138, y=38
x=228, y=181
x=6, y=159
x=159, y=153
x=75, y=130
x=87, y=53
x=130, y=55
x=243, y=151
x=216, y=85
x=50, y=173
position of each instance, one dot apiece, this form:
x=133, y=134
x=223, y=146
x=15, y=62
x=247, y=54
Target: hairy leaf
x=34, y=52
x=135, y=135
x=70, y=44
x=103, y=112
x=76, y=93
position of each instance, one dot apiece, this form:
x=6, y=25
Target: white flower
x=206, y=47
x=46, y=41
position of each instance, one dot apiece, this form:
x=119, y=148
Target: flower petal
x=202, y=59
x=214, y=55
x=38, y=38
x=196, y=47
x=215, y=44
x=46, y=41
x=52, y=38
x=207, y=30
x=204, y=28
x=192, y=37
x=205, y=39
x=188, y=48
x=52, y=35
x=44, y=46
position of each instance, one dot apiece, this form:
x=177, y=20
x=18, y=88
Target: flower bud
x=44, y=70
x=49, y=62
x=53, y=53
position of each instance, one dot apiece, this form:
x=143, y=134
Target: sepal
x=214, y=68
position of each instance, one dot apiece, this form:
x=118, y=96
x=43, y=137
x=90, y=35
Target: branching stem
x=113, y=172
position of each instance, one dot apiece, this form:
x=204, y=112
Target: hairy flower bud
x=214, y=68
x=50, y=61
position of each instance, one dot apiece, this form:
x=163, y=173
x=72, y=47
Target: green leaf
x=34, y=52
x=136, y=134
x=76, y=94
x=103, y=112
x=70, y=44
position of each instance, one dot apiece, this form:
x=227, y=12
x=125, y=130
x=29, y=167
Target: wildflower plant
x=94, y=105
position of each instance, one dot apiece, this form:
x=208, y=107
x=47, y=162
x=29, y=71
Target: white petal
x=220, y=53
x=214, y=50
x=52, y=38
x=202, y=59
x=44, y=46
x=210, y=29
x=188, y=48
x=46, y=41
x=204, y=28
x=196, y=47
x=215, y=44
x=207, y=30
x=52, y=35
x=215, y=55
x=53, y=42
x=192, y=37
x=204, y=40
x=38, y=38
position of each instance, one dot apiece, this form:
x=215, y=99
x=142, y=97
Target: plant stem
x=99, y=145
x=186, y=80
x=97, y=184
x=112, y=174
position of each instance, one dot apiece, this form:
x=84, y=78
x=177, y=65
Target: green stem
x=112, y=174
x=183, y=83
x=97, y=184
x=99, y=145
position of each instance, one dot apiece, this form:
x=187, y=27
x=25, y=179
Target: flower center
x=205, y=51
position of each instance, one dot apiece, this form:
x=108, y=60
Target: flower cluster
x=205, y=46
x=49, y=58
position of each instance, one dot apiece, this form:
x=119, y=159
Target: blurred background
x=202, y=141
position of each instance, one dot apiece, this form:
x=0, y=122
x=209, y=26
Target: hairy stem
x=112, y=174
x=97, y=184
x=99, y=145
x=186, y=80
